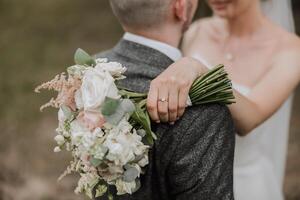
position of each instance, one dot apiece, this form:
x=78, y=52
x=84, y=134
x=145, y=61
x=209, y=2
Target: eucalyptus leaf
x=130, y=174
x=67, y=112
x=83, y=58
x=140, y=117
x=126, y=107
x=141, y=132
x=95, y=162
x=109, y=106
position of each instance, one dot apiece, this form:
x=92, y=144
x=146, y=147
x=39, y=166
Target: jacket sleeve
x=202, y=164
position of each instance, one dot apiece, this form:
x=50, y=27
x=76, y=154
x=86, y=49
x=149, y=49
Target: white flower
x=124, y=126
x=124, y=146
x=59, y=139
x=96, y=85
x=98, y=132
x=144, y=161
x=125, y=187
x=57, y=149
x=86, y=183
x=114, y=68
x=88, y=140
x=66, y=133
x=61, y=116
x=77, y=132
x=76, y=70
x=78, y=99
x=101, y=60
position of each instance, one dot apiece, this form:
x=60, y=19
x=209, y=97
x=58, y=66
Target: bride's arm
x=248, y=112
x=268, y=95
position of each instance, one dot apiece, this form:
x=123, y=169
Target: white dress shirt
x=168, y=50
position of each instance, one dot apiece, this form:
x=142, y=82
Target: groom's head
x=150, y=15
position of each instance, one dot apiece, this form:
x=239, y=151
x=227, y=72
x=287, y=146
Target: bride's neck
x=246, y=23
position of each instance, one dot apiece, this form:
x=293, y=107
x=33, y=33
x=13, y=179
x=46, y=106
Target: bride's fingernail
x=158, y=122
x=172, y=123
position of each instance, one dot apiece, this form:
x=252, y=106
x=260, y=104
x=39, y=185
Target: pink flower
x=91, y=120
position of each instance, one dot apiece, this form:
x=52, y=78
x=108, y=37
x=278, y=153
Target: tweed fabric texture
x=191, y=160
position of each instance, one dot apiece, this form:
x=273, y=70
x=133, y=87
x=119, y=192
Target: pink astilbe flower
x=66, y=86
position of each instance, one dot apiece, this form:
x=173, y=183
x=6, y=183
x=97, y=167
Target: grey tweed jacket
x=191, y=160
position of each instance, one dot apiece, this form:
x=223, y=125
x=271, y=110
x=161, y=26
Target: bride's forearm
x=245, y=113
x=199, y=69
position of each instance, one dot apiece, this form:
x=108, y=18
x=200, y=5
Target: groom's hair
x=140, y=13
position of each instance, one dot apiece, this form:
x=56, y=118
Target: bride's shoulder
x=289, y=44
x=288, y=52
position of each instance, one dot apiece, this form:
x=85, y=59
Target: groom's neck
x=168, y=35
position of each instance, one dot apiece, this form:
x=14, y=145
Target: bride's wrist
x=198, y=67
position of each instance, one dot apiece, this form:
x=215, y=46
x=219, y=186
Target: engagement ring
x=162, y=100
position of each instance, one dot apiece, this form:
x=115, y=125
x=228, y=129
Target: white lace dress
x=260, y=157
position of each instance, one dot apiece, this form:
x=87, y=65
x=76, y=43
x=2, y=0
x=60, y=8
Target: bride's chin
x=221, y=15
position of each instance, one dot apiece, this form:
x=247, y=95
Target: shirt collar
x=168, y=50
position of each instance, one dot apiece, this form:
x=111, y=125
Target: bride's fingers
x=163, y=110
x=182, y=100
x=152, y=102
x=173, y=103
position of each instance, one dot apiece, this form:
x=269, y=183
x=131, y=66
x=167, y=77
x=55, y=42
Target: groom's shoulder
x=205, y=115
x=200, y=123
x=204, y=112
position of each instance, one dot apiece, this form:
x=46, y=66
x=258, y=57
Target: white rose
x=123, y=146
x=114, y=68
x=96, y=85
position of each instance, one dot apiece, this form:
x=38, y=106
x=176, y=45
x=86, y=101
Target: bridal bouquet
x=106, y=128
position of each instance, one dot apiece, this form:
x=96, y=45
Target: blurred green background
x=37, y=41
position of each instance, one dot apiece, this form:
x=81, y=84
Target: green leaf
x=83, y=58
x=67, y=112
x=141, y=117
x=110, y=197
x=126, y=107
x=109, y=106
x=95, y=162
x=101, y=190
x=130, y=174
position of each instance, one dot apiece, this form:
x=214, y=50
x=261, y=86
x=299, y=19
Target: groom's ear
x=180, y=10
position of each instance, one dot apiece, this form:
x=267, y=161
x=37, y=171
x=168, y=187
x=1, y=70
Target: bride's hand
x=168, y=94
